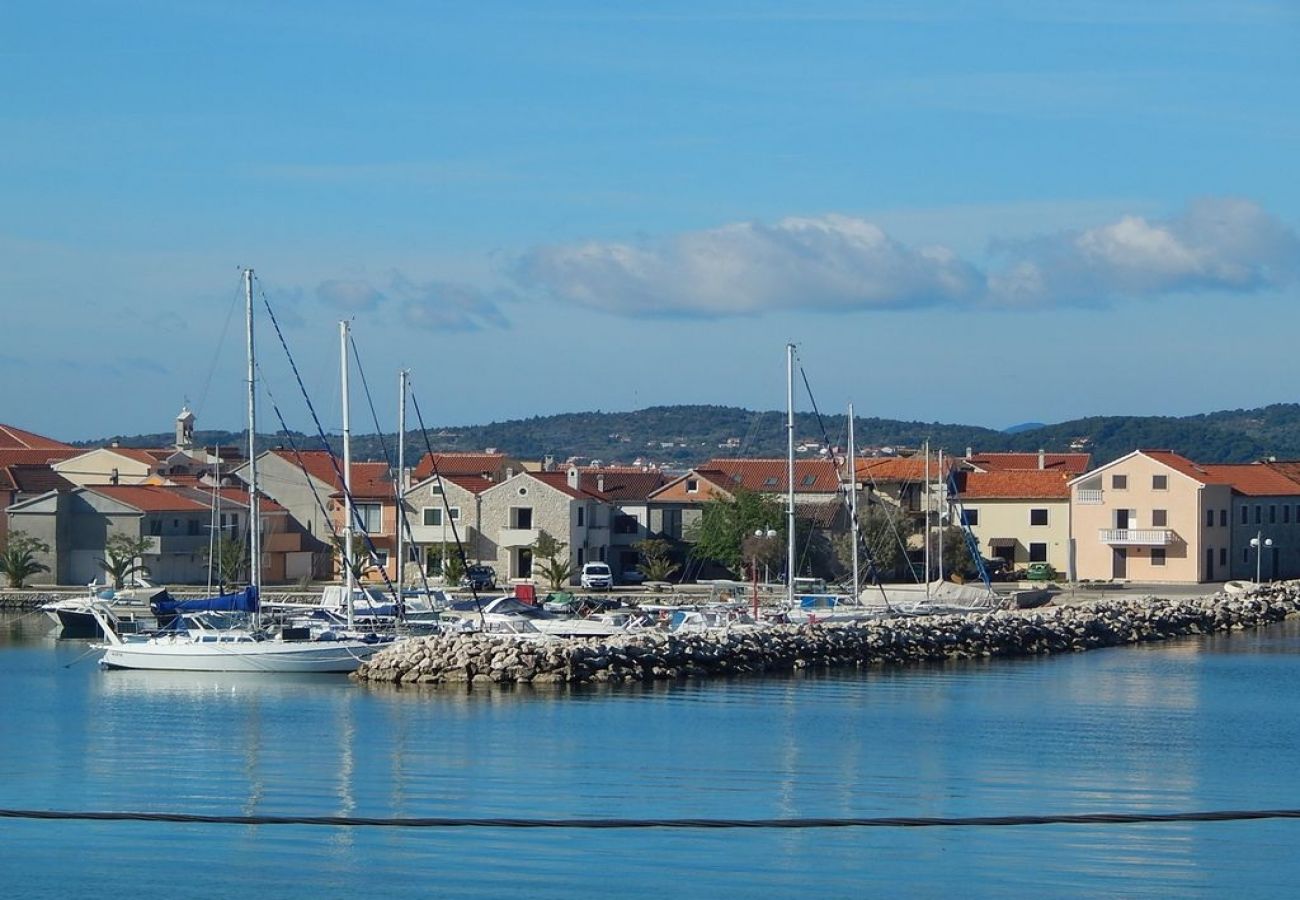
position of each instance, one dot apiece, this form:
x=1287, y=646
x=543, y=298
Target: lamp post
x=1259, y=542
x=761, y=536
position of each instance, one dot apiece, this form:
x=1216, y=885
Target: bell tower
x=185, y=429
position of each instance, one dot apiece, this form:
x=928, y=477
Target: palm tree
x=18, y=557
x=122, y=558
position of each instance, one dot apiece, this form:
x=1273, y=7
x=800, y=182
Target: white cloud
x=432, y=305
x=830, y=262
x=1218, y=244
x=841, y=263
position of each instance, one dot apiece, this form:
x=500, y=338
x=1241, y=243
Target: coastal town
x=1151, y=516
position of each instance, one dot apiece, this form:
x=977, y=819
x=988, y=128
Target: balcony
x=1089, y=496
x=1137, y=537
x=518, y=537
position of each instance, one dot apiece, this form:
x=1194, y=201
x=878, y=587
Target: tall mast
x=925, y=508
x=789, y=475
x=401, y=482
x=348, y=583
x=853, y=504
x=254, y=510
x=943, y=493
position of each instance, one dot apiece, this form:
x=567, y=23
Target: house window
x=1037, y=517
x=1245, y=515
x=1259, y=514
x=1272, y=514
x=581, y=511
x=380, y=558
x=1223, y=523
x=1038, y=553
x=1157, y=556
x=625, y=524
x=809, y=480
x=522, y=517
x=1245, y=554
x=1159, y=482
x=970, y=517
x=1223, y=556
x=770, y=482
x=1286, y=514
x=1119, y=482
x=1160, y=518
x=1209, y=518
x=367, y=515
x=194, y=527
x=692, y=486
x=432, y=516
x=155, y=527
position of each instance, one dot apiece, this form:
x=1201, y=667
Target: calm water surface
x=1197, y=724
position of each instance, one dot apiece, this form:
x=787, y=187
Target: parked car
x=1040, y=571
x=597, y=575
x=479, y=578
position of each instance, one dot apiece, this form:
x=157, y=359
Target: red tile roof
x=1028, y=484
x=1181, y=464
x=151, y=498
x=371, y=481
x=900, y=468
x=459, y=464
x=316, y=463
x=475, y=484
x=560, y=481
x=1255, y=479
x=32, y=479
x=16, y=439
x=625, y=483
x=10, y=456
x=1074, y=463
x=815, y=476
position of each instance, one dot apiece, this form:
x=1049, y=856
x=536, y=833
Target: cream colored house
x=1022, y=516
x=1152, y=516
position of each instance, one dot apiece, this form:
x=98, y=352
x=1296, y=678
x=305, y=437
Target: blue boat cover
x=244, y=601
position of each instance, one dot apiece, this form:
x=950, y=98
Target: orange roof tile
x=459, y=464
x=1015, y=484
x=818, y=476
x=560, y=481
x=151, y=498
x=316, y=463
x=16, y=439
x=1074, y=463
x=1254, y=479
x=901, y=468
x=11, y=456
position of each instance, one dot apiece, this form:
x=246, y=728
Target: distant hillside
x=684, y=435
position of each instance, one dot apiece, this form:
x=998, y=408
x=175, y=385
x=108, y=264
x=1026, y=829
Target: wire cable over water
x=629, y=824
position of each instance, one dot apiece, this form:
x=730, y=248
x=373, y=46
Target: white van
x=597, y=575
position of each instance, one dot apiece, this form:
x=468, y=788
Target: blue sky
x=969, y=212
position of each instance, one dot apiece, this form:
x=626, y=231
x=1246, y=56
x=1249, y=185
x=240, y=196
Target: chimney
x=970, y=451
x=575, y=478
x=1042, y=460
x=510, y=472
x=600, y=482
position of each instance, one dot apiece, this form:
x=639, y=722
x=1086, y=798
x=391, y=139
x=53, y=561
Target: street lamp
x=760, y=534
x=1259, y=542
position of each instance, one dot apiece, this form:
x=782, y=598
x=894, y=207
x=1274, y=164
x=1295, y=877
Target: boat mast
x=943, y=492
x=401, y=483
x=348, y=583
x=789, y=475
x=853, y=504
x=925, y=508
x=254, y=509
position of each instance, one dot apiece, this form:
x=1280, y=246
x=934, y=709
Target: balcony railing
x=1089, y=496
x=1144, y=537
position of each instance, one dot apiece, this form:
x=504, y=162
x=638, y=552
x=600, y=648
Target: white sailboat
x=198, y=644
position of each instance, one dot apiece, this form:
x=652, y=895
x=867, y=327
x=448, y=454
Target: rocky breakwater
x=474, y=658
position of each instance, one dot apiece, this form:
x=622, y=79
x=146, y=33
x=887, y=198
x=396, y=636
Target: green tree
x=230, y=559
x=452, y=564
x=884, y=533
x=122, y=557
x=18, y=557
x=557, y=571
x=656, y=559
x=362, y=562
x=724, y=524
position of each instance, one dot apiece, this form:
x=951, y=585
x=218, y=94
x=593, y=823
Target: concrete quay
x=642, y=656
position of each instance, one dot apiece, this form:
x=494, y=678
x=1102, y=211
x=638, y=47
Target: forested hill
x=683, y=435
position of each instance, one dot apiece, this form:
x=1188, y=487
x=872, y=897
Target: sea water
x=1195, y=724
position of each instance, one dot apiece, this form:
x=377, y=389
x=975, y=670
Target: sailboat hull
x=251, y=656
